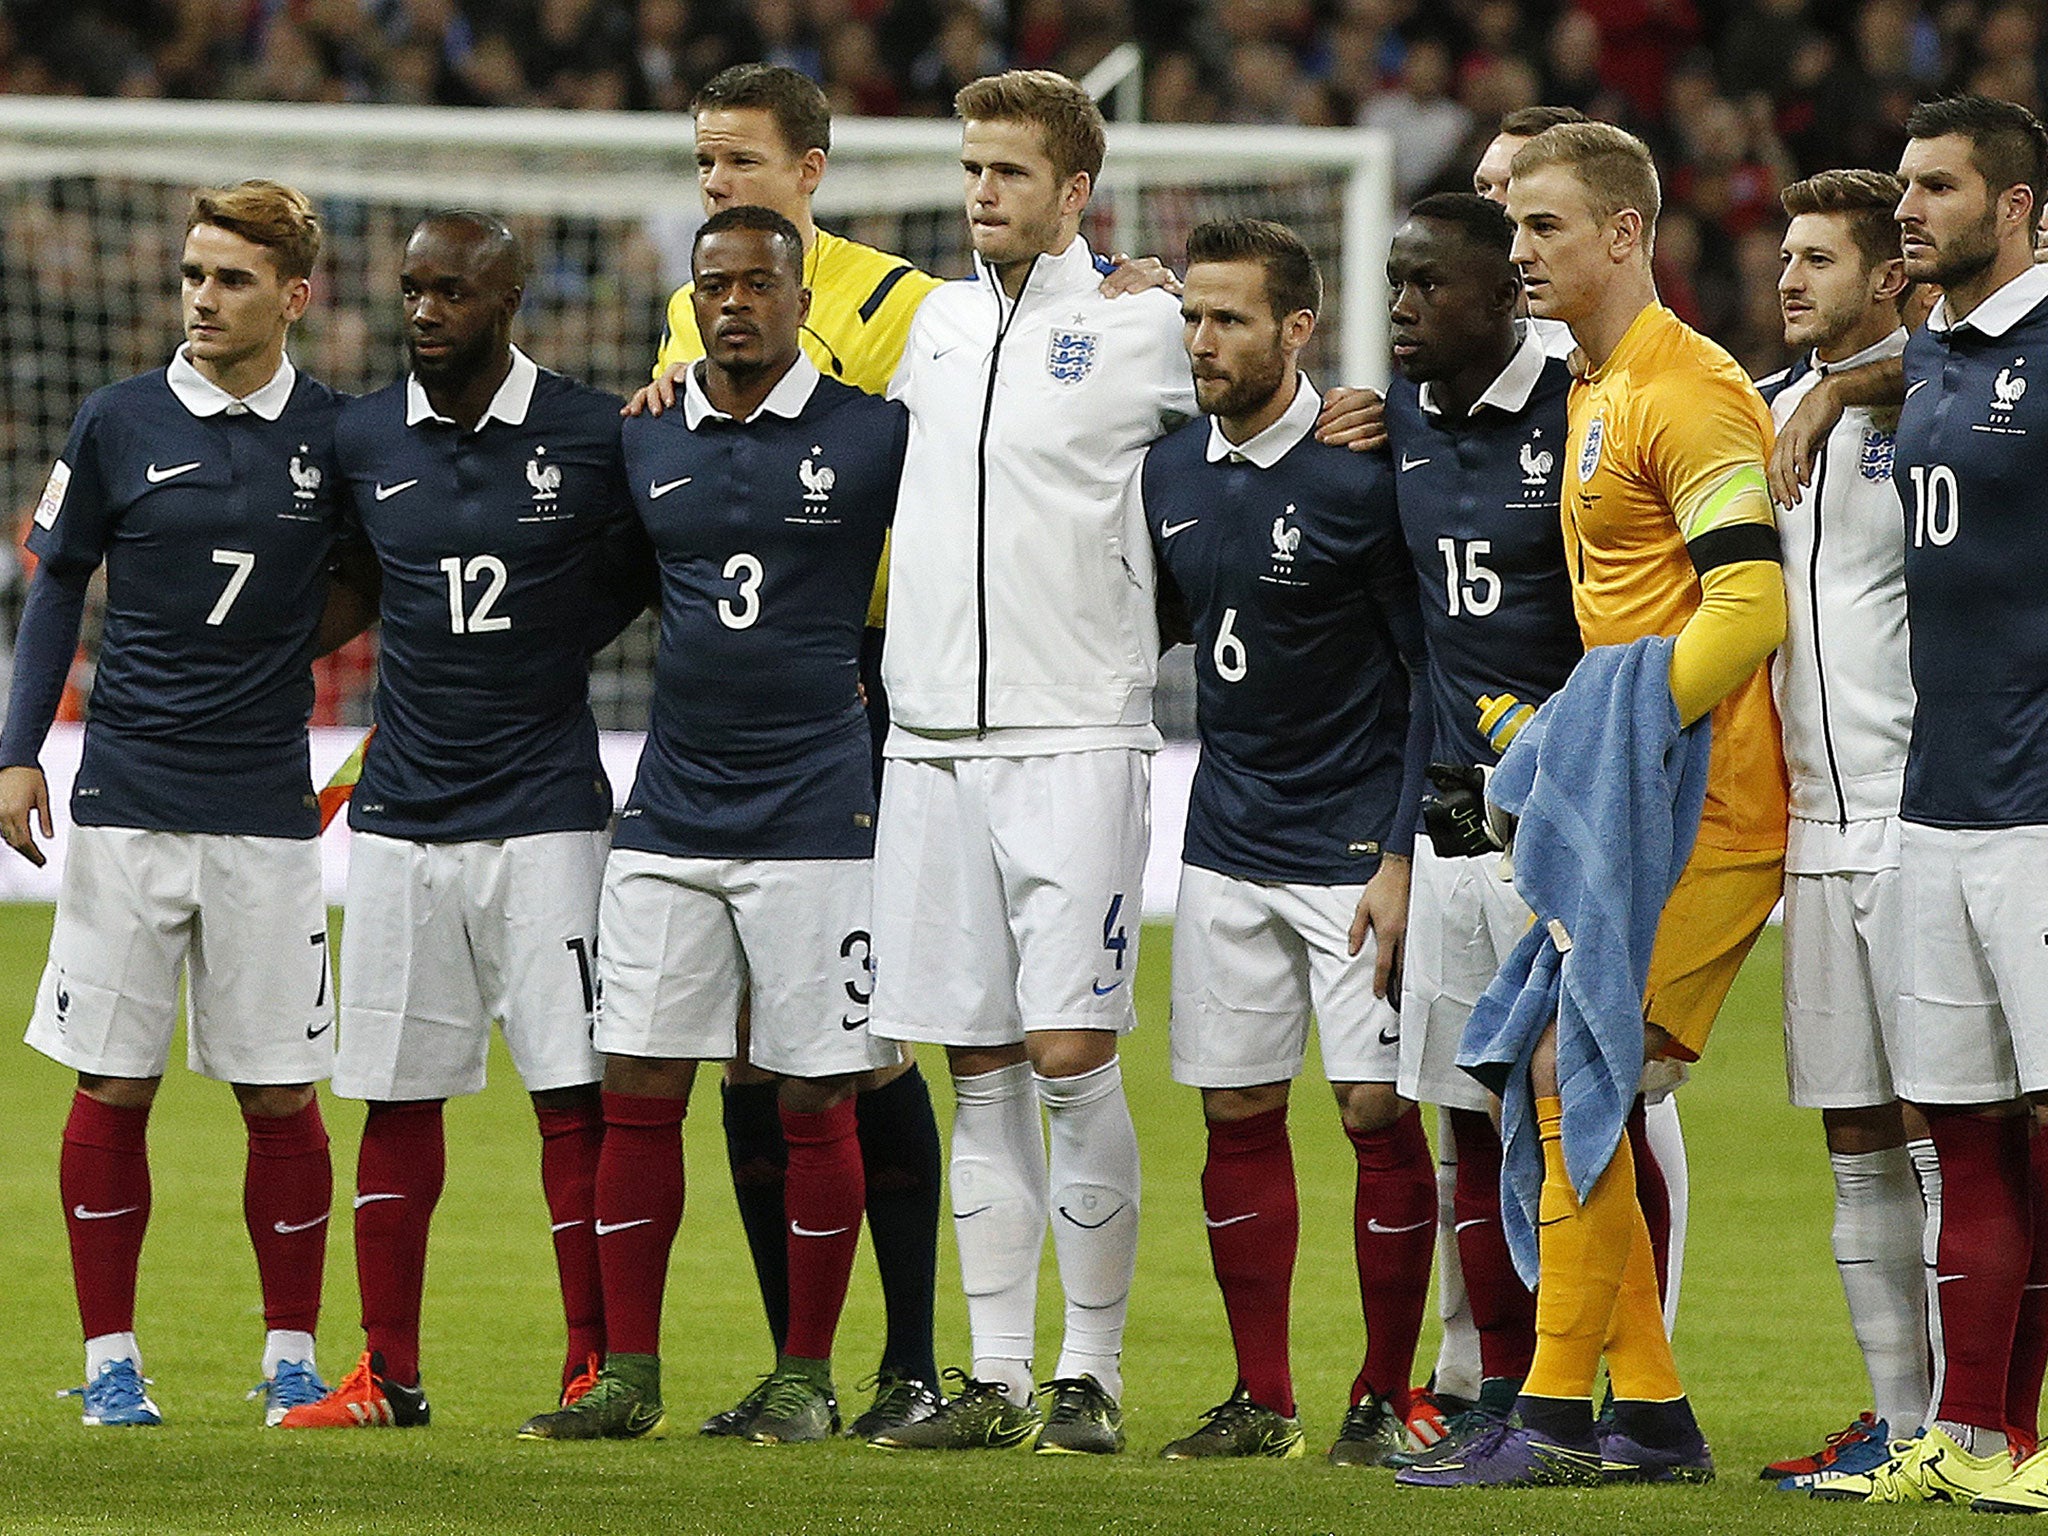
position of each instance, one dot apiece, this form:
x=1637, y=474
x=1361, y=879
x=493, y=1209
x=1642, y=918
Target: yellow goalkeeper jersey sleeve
x=862, y=303
x=1664, y=481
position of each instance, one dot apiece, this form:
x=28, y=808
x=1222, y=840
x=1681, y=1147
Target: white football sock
x=111, y=1346
x=1879, y=1225
x=1667, y=1145
x=1095, y=1216
x=1927, y=1168
x=999, y=1203
x=282, y=1344
x=1457, y=1357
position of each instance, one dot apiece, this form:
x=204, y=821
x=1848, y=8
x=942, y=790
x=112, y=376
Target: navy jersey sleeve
x=75, y=517
x=627, y=580
x=1390, y=576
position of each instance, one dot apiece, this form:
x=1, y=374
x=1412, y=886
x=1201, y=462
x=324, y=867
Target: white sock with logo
x=111, y=1346
x=998, y=1179
x=1927, y=1169
x=282, y=1344
x=1457, y=1357
x=1094, y=1216
x=1879, y=1223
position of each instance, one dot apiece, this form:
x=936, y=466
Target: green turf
x=1763, y=1342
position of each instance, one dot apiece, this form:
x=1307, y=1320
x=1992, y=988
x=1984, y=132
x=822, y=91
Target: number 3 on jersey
x=740, y=611
x=1937, y=506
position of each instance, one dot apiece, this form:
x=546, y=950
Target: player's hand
x=1136, y=274
x=1799, y=443
x=1354, y=419
x=24, y=791
x=653, y=399
x=1383, y=913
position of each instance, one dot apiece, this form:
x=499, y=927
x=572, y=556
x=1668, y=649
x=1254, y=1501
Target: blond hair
x=1065, y=116
x=1612, y=164
x=266, y=213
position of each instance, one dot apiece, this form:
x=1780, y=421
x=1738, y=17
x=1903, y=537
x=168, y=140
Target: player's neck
x=1242, y=429
x=739, y=395
x=1631, y=291
x=243, y=376
x=1458, y=393
x=2012, y=260
x=1012, y=274
x=1876, y=323
x=464, y=401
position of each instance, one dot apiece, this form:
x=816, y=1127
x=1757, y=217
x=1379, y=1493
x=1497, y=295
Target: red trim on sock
x=103, y=1180
x=1394, y=1233
x=1503, y=1309
x=824, y=1193
x=404, y=1155
x=639, y=1208
x=1982, y=1259
x=1252, y=1210
x=571, y=1140
x=287, y=1198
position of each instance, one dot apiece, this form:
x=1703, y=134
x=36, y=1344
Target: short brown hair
x=1612, y=164
x=1527, y=122
x=266, y=213
x=1866, y=197
x=802, y=114
x=1292, y=281
x=1065, y=115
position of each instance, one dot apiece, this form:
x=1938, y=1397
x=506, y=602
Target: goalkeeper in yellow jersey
x=1668, y=531
x=763, y=133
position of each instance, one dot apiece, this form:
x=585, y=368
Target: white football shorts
x=1252, y=960
x=242, y=917
x=1009, y=895
x=1463, y=919
x=1842, y=964
x=1973, y=993
x=439, y=939
x=681, y=941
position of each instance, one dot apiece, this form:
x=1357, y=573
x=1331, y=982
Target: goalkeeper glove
x=1455, y=815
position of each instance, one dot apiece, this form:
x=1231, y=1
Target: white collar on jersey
x=202, y=397
x=1891, y=346
x=2000, y=312
x=1072, y=270
x=792, y=392
x=1277, y=441
x=508, y=405
x=1517, y=382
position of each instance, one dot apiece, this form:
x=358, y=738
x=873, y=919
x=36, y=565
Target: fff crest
x=1070, y=355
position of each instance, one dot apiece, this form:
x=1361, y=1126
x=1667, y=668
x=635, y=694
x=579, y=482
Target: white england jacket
x=1020, y=573
x=1843, y=689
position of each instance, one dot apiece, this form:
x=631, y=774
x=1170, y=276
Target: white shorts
x=682, y=941
x=1973, y=993
x=1251, y=961
x=1841, y=988
x=241, y=916
x=439, y=939
x=1009, y=895
x=1463, y=919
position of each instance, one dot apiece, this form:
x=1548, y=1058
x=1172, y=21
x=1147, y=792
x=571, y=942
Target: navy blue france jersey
x=495, y=546
x=1478, y=498
x=1972, y=473
x=217, y=531
x=768, y=533
x=1306, y=632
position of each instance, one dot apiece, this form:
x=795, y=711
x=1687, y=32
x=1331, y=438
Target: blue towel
x=1608, y=790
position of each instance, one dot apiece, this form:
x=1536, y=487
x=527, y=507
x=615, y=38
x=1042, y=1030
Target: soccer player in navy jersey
x=207, y=490
x=1476, y=421
x=490, y=515
x=1294, y=889
x=742, y=862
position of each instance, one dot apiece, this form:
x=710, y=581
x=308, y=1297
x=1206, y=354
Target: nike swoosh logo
x=1168, y=530
x=1102, y=991
x=1373, y=1225
x=1470, y=1221
x=1944, y=1279
x=1915, y=385
x=1408, y=463
x=964, y=1215
x=386, y=492
x=287, y=1228
x=849, y=1023
x=1090, y=1226
x=1228, y=1221
x=157, y=476
x=798, y=1229
x=363, y=1200
x=563, y=1226
x=944, y=350
x=656, y=491
x=83, y=1214
x=607, y=1228
x=1391, y=1035
x=315, y=1034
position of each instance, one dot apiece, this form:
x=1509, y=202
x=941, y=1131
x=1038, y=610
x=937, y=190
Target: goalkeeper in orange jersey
x=1668, y=531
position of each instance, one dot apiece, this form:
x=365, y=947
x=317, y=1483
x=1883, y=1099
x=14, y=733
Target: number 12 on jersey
x=465, y=618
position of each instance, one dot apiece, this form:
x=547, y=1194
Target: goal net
x=93, y=196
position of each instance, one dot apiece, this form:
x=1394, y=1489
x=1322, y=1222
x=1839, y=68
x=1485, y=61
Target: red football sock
x=1503, y=1309
x=287, y=1193
x=824, y=1192
x=399, y=1170
x=1652, y=1194
x=103, y=1180
x=1253, y=1214
x=570, y=1141
x=1394, y=1226
x=2030, y=1335
x=639, y=1208
x=1982, y=1259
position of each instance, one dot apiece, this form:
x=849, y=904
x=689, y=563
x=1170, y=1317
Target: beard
x=1966, y=256
x=458, y=363
x=1244, y=392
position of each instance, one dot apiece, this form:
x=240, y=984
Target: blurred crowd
x=1737, y=96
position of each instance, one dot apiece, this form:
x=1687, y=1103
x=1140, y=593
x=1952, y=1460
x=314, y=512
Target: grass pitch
x=1763, y=1340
